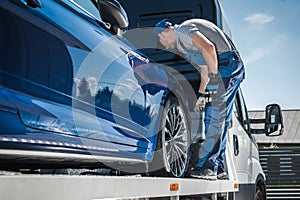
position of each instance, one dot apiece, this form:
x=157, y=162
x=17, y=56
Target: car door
x=80, y=78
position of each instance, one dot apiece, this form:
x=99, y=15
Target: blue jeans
x=216, y=120
x=218, y=116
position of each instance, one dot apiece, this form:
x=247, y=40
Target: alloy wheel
x=175, y=141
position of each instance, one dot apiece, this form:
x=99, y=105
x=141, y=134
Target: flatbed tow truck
x=246, y=180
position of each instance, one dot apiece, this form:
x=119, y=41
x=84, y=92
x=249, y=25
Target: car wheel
x=173, y=141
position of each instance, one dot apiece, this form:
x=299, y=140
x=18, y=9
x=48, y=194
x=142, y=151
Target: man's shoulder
x=197, y=21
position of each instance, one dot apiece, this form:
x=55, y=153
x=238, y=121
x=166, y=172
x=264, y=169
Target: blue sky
x=266, y=34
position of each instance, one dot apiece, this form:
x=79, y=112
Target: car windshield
x=89, y=7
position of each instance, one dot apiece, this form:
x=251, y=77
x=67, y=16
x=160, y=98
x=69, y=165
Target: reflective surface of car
x=74, y=92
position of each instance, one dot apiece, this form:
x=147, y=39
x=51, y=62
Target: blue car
x=75, y=93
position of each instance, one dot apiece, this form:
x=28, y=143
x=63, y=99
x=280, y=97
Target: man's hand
x=200, y=103
x=213, y=83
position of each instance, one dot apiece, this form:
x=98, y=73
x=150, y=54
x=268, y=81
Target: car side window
x=88, y=6
x=33, y=60
x=241, y=111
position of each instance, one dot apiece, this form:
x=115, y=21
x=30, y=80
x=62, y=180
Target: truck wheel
x=259, y=194
x=173, y=141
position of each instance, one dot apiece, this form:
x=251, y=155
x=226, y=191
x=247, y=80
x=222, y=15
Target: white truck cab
x=249, y=171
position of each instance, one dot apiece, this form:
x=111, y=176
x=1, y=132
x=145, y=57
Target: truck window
x=241, y=111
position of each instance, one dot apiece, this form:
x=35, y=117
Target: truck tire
x=259, y=195
x=173, y=142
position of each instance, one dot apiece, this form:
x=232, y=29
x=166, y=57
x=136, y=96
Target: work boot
x=203, y=173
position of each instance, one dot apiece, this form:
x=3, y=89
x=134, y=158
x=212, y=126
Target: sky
x=266, y=33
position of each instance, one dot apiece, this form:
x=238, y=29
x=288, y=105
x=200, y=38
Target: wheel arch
x=172, y=83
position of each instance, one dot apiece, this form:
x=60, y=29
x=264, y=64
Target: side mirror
x=272, y=124
x=274, y=120
x=113, y=13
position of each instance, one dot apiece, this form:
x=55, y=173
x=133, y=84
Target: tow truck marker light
x=174, y=187
x=236, y=186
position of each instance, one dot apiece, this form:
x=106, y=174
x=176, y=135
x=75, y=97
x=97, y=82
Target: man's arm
x=204, y=78
x=208, y=51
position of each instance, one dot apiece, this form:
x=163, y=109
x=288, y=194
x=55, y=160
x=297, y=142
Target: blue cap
x=160, y=26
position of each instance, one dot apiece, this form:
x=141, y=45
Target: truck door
x=246, y=158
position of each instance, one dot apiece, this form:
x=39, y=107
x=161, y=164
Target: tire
x=173, y=141
x=259, y=195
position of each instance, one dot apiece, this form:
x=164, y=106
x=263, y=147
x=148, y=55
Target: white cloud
x=259, y=18
x=256, y=55
x=261, y=52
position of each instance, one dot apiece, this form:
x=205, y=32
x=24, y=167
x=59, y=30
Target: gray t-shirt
x=185, y=32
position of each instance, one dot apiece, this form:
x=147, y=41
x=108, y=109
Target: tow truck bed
x=50, y=187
